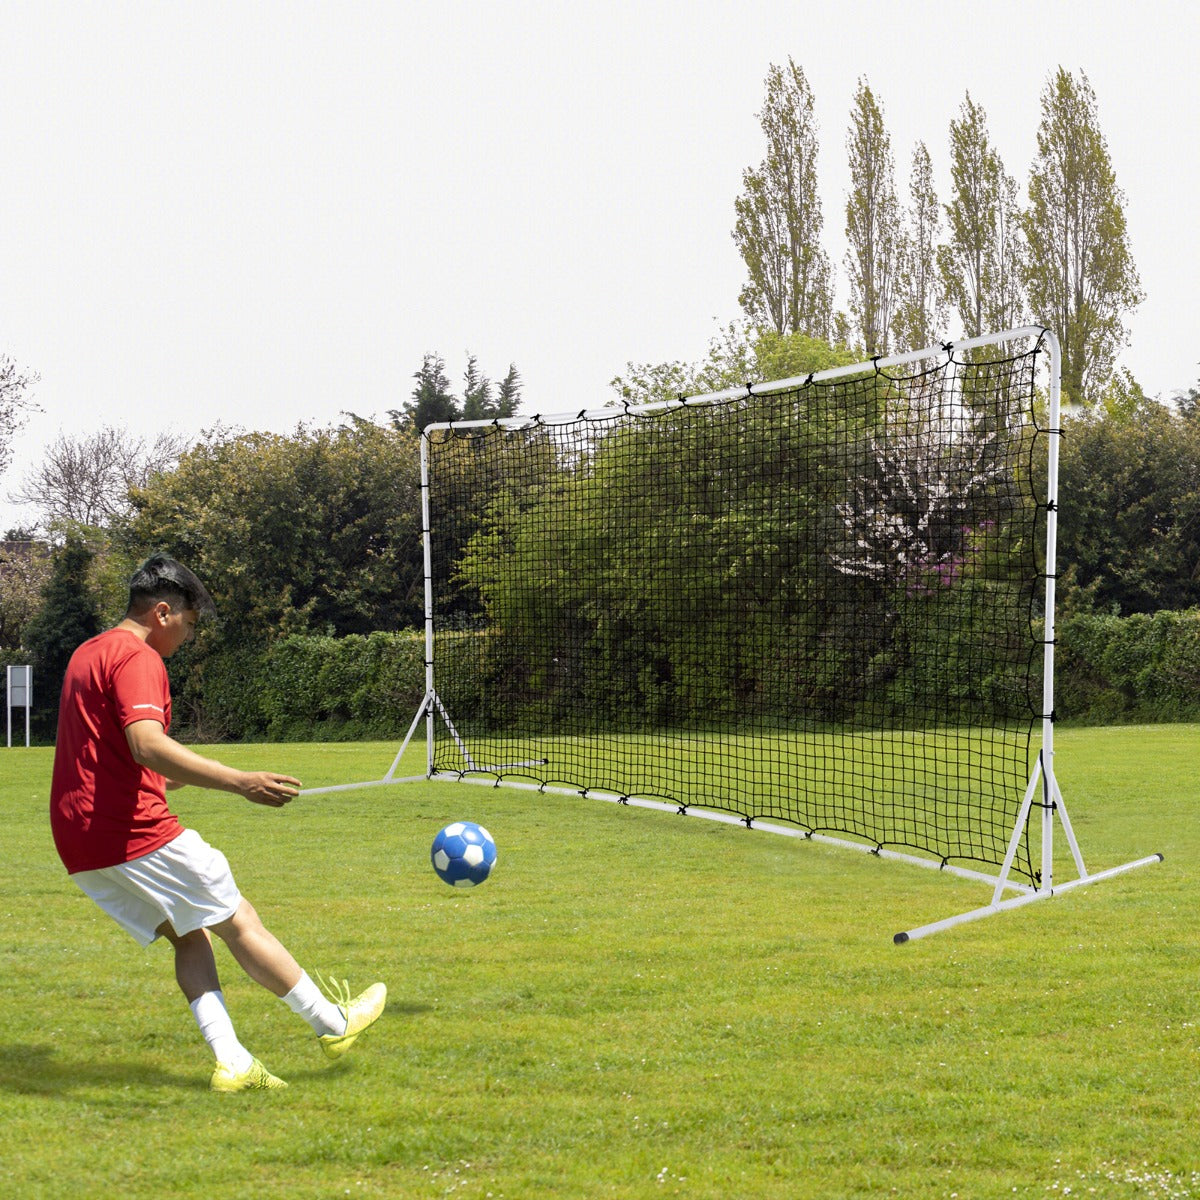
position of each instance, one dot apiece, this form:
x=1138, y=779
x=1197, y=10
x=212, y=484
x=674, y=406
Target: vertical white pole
x=1049, y=784
x=427, y=540
x=8, y=703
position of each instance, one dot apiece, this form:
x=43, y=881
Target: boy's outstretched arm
x=153, y=747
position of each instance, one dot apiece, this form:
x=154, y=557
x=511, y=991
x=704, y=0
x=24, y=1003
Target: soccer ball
x=463, y=854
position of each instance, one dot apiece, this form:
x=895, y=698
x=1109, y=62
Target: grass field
x=635, y=1005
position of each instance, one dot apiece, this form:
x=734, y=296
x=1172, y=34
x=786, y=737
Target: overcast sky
x=261, y=213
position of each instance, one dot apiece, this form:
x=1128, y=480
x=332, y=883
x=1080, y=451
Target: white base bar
x=1018, y=901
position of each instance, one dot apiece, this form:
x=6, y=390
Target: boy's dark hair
x=160, y=577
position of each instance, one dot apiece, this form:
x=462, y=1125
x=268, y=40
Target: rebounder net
x=817, y=603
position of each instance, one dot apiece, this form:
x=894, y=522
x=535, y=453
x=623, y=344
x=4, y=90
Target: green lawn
x=635, y=1005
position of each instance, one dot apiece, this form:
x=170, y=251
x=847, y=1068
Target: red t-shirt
x=105, y=808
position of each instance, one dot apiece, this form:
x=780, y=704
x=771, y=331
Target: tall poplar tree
x=983, y=259
x=872, y=222
x=1080, y=275
x=779, y=220
x=920, y=308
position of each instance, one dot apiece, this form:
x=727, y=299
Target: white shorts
x=185, y=882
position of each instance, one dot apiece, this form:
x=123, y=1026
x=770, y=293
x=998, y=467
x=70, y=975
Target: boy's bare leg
x=195, y=966
x=196, y=972
x=337, y=1023
x=267, y=961
x=258, y=951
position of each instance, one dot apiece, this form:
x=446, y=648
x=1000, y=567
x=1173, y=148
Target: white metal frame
x=1042, y=789
x=1042, y=779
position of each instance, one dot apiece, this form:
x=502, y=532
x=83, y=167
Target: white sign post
x=20, y=695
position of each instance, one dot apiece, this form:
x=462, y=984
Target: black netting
x=816, y=605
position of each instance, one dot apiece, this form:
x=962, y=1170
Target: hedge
x=1145, y=667
x=1110, y=670
x=303, y=688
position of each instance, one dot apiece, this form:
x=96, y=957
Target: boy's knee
x=245, y=920
x=167, y=930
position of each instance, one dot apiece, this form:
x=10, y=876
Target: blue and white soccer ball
x=463, y=854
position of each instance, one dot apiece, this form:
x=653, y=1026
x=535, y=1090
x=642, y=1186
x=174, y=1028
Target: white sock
x=213, y=1018
x=321, y=1013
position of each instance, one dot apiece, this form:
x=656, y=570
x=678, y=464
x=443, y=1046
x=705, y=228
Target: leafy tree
x=576, y=560
x=779, y=219
x=712, y=556
x=737, y=357
x=317, y=532
x=917, y=490
x=67, y=617
x=14, y=405
x=872, y=222
x=25, y=566
x=1123, y=395
x=1079, y=274
x=1188, y=403
x=791, y=356
x=86, y=479
x=1129, y=497
x=981, y=264
x=730, y=362
x=920, y=308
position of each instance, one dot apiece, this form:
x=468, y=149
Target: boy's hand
x=267, y=787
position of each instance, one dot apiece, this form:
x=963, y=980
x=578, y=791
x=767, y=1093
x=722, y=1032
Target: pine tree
x=432, y=401
x=477, y=393
x=509, y=396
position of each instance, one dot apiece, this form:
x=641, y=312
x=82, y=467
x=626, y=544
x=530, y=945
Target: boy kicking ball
x=115, y=833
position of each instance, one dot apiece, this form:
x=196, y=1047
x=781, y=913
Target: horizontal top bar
x=946, y=349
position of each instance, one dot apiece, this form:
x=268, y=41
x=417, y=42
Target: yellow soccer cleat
x=255, y=1078
x=361, y=1012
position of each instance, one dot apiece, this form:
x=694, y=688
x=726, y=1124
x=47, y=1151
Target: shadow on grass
x=404, y=1008
x=33, y=1070
x=43, y=1070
